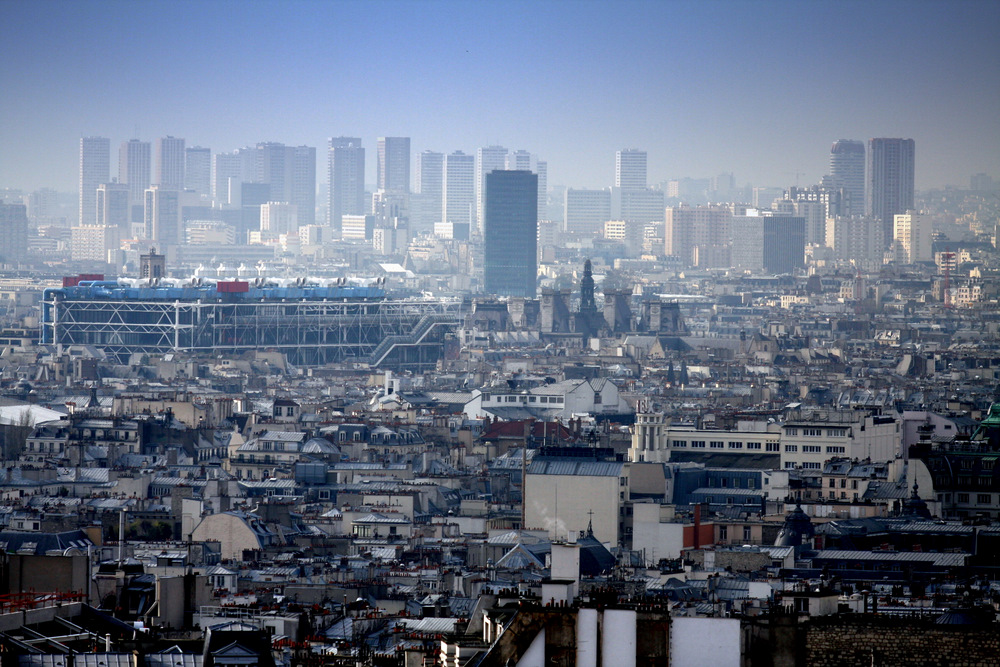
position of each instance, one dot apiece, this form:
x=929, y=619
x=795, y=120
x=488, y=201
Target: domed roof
x=796, y=530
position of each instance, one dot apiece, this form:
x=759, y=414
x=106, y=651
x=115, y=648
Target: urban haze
x=515, y=333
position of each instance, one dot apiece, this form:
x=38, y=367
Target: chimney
x=697, y=526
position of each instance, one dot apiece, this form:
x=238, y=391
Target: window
x=698, y=443
x=963, y=497
x=843, y=483
x=789, y=464
x=854, y=483
x=984, y=498
x=773, y=447
x=735, y=445
x=791, y=449
x=723, y=533
x=680, y=443
x=812, y=466
x=813, y=432
x=836, y=450
x=833, y=483
x=746, y=534
x=716, y=444
x=836, y=432
x=791, y=431
x=753, y=445
x=811, y=449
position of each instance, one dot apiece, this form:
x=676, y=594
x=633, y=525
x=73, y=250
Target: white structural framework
x=311, y=325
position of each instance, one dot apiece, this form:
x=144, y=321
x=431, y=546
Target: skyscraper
x=14, y=231
x=488, y=158
x=134, y=160
x=393, y=168
x=426, y=202
x=170, y=163
x=510, y=233
x=586, y=211
x=113, y=208
x=347, y=180
x=630, y=169
x=198, y=170
x=163, y=216
x=912, y=234
x=519, y=160
x=226, y=168
x=847, y=167
x=542, y=169
x=890, y=181
x=95, y=168
x=458, y=184
x=303, y=183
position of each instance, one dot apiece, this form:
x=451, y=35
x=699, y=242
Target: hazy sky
x=757, y=88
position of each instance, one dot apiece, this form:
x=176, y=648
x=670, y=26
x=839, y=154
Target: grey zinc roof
x=578, y=468
x=938, y=559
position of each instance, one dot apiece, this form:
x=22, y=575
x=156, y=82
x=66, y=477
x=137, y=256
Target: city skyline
x=699, y=103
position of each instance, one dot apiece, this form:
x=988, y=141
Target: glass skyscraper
x=510, y=233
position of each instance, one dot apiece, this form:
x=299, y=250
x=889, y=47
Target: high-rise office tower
x=847, y=167
x=542, y=169
x=630, y=169
x=458, y=184
x=227, y=168
x=393, y=168
x=488, y=159
x=430, y=174
x=113, y=208
x=518, y=160
x=134, y=160
x=698, y=235
x=95, y=168
x=277, y=218
x=346, y=162
x=198, y=170
x=163, y=216
x=426, y=202
x=768, y=243
x=510, y=233
x=303, y=184
x=586, y=211
x=912, y=234
x=170, y=163
x=890, y=181
x=14, y=232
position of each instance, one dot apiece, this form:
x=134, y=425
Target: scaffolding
x=312, y=326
